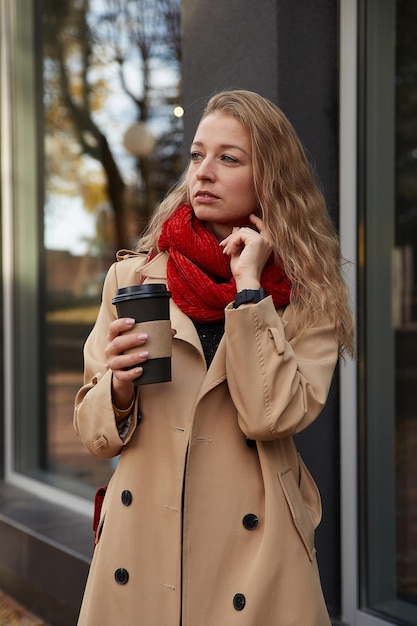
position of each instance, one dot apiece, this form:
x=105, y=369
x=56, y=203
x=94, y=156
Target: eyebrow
x=223, y=146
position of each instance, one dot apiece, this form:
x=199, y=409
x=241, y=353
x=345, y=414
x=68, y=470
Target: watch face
x=251, y=295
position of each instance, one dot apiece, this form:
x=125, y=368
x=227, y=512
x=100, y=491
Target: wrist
x=247, y=296
x=122, y=413
x=122, y=396
x=247, y=283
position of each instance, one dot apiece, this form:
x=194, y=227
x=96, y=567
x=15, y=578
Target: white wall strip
x=348, y=375
x=6, y=148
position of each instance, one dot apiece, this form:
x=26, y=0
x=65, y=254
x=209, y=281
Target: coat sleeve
x=278, y=383
x=94, y=419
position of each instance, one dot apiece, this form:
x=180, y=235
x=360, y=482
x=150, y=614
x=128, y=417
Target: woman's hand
x=249, y=250
x=125, y=367
x=120, y=340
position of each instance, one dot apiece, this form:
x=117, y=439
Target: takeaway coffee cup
x=148, y=305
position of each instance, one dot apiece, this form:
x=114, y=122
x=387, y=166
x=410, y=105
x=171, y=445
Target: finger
x=120, y=325
x=234, y=244
x=237, y=233
x=129, y=375
x=128, y=341
x=241, y=237
x=257, y=221
x=226, y=240
x=125, y=362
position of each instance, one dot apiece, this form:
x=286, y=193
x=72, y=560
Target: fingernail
x=129, y=320
x=142, y=336
x=142, y=355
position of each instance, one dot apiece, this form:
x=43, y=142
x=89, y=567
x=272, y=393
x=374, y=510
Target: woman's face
x=220, y=174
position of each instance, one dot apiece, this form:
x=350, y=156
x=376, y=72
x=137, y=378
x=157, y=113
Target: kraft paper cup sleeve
x=159, y=343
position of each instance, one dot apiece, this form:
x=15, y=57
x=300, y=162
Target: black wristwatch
x=249, y=295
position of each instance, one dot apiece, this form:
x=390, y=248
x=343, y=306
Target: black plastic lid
x=152, y=290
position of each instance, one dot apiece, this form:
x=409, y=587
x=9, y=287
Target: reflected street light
x=138, y=140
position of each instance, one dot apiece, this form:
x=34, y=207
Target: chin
x=204, y=214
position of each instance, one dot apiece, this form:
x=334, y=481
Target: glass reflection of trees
x=110, y=82
x=108, y=65
x=406, y=161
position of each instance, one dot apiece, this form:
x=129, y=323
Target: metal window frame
x=18, y=189
x=366, y=483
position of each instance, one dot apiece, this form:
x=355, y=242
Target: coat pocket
x=300, y=514
x=310, y=493
x=99, y=530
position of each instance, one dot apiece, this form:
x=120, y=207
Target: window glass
x=405, y=299
x=109, y=133
x=388, y=324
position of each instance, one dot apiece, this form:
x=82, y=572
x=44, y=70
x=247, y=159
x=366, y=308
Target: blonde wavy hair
x=293, y=208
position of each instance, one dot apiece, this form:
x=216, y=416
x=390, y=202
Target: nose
x=206, y=170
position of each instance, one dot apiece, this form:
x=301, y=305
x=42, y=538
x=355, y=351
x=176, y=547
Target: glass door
x=388, y=304
x=96, y=130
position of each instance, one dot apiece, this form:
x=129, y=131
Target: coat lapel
x=154, y=271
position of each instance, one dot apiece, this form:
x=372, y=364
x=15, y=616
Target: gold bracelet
x=122, y=413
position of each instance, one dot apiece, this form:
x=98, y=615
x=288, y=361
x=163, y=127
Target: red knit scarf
x=199, y=275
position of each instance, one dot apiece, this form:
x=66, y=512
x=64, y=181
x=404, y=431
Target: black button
x=126, y=497
x=251, y=443
x=121, y=575
x=239, y=601
x=250, y=521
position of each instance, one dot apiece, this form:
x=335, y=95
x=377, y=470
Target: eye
x=195, y=156
x=229, y=159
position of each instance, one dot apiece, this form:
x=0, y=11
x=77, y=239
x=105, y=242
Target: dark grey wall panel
x=288, y=51
x=308, y=83
x=230, y=44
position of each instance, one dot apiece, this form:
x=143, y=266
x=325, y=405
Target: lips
x=201, y=194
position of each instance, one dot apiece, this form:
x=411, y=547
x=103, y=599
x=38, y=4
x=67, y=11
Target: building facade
x=78, y=81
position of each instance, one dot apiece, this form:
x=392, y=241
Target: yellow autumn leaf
x=94, y=194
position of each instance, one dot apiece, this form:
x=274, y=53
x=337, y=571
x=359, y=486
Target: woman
x=210, y=515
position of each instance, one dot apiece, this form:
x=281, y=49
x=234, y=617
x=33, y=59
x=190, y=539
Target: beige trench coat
x=201, y=526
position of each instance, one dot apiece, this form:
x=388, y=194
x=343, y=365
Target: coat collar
x=155, y=271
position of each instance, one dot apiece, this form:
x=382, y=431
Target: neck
x=220, y=231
